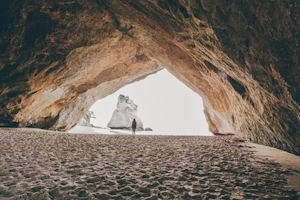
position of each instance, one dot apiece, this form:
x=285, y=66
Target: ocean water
x=92, y=130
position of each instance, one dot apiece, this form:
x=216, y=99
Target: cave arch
x=86, y=50
x=164, y=104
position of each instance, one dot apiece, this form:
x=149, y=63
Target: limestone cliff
x=124, y=114
x=242, y=57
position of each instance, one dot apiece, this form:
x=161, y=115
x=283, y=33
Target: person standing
x=133, y=126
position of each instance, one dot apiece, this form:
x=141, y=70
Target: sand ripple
x=47, y=165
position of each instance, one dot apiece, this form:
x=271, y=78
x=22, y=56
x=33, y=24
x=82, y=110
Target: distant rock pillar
x=124, y=114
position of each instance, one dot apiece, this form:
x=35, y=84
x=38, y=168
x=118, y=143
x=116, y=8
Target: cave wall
x=242, y=57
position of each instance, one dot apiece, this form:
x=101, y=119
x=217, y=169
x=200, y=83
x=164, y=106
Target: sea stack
x=124, y=114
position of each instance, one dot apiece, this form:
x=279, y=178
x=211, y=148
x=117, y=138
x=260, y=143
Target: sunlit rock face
x=124, y=114
x=58, y=58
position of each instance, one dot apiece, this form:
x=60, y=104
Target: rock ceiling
x=242, y=57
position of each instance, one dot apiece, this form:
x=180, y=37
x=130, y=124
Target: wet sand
x=38, y=164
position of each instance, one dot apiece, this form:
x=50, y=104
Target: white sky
x=164, y=104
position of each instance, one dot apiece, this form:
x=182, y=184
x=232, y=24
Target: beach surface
x=39, y=164
x=93, y=130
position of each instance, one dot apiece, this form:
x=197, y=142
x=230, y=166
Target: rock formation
x=242, y=57
x=86, y=120
x=124, y=114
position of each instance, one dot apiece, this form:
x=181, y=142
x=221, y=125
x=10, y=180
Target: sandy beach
x=38, y=164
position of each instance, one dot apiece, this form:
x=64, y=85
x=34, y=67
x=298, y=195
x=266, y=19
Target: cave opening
x=165, y=105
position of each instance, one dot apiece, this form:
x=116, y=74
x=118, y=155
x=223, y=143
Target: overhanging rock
x=58, y=58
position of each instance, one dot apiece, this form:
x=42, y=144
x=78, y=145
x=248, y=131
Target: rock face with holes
x=124, y=114
x=242, y=57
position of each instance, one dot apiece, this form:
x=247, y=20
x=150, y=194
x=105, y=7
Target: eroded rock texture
x=242, y=57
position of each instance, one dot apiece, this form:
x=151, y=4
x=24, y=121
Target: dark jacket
x=134, y=124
